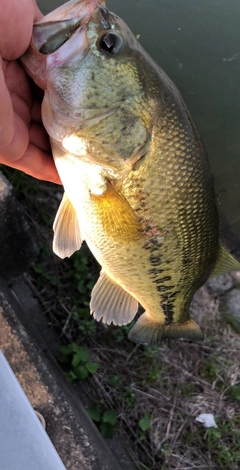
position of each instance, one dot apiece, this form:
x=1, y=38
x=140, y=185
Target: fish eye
x=111, y=43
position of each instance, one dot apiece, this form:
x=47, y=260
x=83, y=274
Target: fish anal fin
x=117, y=217
x=147, y=331
x=67, y=237
x=225, y=264
x=111, y=303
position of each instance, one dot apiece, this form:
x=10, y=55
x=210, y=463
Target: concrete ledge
x=72, y=432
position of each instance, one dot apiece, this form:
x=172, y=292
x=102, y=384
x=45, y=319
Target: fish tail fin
x=148, y=331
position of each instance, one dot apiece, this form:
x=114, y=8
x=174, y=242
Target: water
x=197, y=43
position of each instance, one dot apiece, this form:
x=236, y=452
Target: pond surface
x=197, y=43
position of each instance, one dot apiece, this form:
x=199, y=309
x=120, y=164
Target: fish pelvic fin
x=149, y=332
x=225, y=264
x=67, y=237
x=111, y=303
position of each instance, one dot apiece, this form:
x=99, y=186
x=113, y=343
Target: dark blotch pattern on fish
x=167, y=304
x=166, y=298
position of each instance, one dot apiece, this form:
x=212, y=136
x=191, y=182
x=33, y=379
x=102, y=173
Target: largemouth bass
x=138, y=185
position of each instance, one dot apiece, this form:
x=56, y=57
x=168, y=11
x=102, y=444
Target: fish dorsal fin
x=67, y=237
x=117, y=217
x=225, y=264
x=111, y=303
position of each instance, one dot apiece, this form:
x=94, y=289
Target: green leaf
x=81, y=355
x=115, y=380
x=73, y=347
x=65, y=350
x=107, y=430
x=84, y=354
x=71, y=376
x=38, y=268
x=92, y=367
x=94, y=413
x=110, y=417
x=145, y=422
x=145, y=467
x=234, y=392
x=75, y=360
x=81, y=372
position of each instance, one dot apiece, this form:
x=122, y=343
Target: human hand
x=24, y=143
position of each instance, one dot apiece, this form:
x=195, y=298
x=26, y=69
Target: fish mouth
x=56, y=28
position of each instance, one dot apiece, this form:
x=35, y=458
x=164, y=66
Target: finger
x=36, y=111
x=39, y=137
x=6, y=112
x=10, y=126
x=16, y=21
x=37, y=163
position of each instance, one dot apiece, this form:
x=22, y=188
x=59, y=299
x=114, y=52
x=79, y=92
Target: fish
x=138, y=184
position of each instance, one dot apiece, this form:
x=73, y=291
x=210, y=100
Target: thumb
x=16, y=22
x=10, y=126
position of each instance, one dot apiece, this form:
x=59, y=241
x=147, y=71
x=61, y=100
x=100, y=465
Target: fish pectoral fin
x=111, y=303
x=225, y=264
x=67, y=237
x=116, y=215
x=148, y=331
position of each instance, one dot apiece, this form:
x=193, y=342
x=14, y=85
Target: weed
x=155, y=373
x=234, y=392
x=187, y=389
x=105, y=420
x=118, y=334
x=115, y=380
x=165, y=451
x=77, y=362
x=42, y=275
x=214, y=369
x=223, y=444
x=129, y=397
x=210, y=369
x=144, y=424
x=143, y=466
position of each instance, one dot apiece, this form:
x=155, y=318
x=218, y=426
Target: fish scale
x=181, y=218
